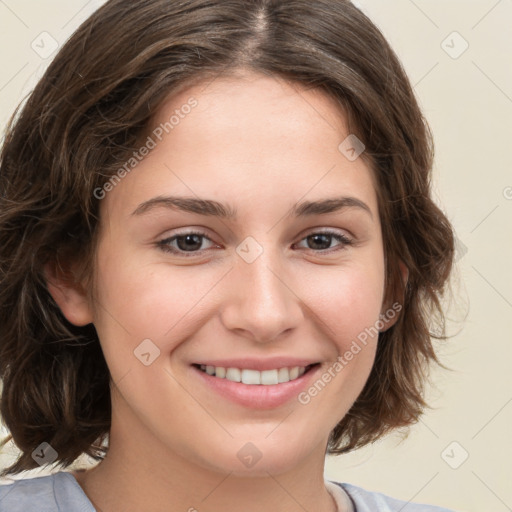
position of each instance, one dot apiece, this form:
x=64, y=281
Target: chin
x=257, y=458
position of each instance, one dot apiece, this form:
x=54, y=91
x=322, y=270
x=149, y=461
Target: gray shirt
x=60, y=492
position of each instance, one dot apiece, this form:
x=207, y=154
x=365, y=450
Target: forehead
x=250, y=107
x=244, y=136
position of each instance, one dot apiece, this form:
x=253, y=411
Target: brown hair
x=82, y=122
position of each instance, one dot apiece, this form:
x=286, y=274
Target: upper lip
x=250, y=363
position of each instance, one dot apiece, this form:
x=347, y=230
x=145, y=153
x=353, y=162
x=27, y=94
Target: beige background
x=467, y=98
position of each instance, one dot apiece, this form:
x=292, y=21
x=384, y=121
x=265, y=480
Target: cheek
x=347, y=300
x=137, y=301
x=347, y=304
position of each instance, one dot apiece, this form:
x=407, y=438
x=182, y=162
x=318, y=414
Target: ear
x=69, y=295
x=391, y=312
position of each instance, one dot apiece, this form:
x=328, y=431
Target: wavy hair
x=83, y=121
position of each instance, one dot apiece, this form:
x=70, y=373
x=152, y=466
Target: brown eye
x=322, y=241
x=319, y=241
x=189, y=242
x=181, y=244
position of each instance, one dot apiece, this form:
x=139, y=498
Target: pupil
x=317, y=240
x=194, y=239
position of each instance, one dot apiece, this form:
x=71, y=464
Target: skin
x=261, y=145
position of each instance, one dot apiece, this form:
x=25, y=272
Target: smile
x=255, y=377
x=256, y=383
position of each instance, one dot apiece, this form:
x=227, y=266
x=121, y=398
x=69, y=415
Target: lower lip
x=257, y=396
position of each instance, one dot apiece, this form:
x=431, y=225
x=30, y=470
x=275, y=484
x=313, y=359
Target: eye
x=321, y=241
x=189, y=242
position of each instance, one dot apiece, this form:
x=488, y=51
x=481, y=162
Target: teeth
x=254, y=377
x=233, y=374
x=251, y=376
x=283, y=375
x=269, y=377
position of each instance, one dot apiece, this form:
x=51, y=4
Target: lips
x=252, y=383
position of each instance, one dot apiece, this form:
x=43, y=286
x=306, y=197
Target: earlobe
x=69, y=295
x=404, y=272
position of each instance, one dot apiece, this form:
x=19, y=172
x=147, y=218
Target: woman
x=220, y=259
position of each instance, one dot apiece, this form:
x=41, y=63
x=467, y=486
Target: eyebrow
x=213, y=208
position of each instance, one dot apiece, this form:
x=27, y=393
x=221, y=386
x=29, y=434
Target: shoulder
x=52, y=493
x=367, y=501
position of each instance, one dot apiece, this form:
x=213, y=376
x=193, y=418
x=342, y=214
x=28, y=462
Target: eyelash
x=164, y=244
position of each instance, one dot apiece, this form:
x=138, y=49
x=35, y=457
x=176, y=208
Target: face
x=218, y=250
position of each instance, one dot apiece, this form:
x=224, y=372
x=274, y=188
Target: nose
x=262, y=303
